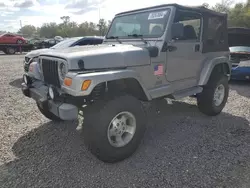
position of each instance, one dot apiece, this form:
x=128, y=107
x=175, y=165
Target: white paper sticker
x=157, y=15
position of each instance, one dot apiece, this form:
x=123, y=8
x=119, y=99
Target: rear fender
x=209, y=66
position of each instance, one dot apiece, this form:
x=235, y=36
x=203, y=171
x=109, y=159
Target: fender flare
x=100, y=77
x=208, y=67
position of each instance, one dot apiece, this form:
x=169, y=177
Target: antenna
x=21, y=23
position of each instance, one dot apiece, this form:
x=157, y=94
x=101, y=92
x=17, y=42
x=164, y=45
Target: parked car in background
x=70, y=42
x=47, y=43
x=8, y=38
x=240, y=58
x=239, y=45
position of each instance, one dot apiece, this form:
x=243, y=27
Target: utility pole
x=99, y=13
x=21, y=23
x=21, y=27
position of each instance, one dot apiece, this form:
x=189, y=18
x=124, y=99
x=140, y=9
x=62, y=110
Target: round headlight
x=62, y=70
x=51, y=93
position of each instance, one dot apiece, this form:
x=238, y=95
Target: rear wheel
x=11, y=50
x=113, y=129
x=214, y=96
x=48, y=114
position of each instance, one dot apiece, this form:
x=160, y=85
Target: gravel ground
x=182, y=147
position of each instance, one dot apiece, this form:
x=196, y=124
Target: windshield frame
x=167, y=8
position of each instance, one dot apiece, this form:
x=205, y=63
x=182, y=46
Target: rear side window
x=215, y=25
x=215, y=34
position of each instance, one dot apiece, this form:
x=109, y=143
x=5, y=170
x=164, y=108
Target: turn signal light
x=67, y=81
x=86, y=84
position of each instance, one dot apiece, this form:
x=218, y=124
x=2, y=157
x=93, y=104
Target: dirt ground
x=181, y=148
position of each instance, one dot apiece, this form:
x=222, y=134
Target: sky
x=37, y=12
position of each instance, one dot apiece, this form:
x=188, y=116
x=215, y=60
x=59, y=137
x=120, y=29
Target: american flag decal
x=158, y=70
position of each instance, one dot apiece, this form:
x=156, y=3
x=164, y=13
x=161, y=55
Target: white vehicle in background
x=70, y=42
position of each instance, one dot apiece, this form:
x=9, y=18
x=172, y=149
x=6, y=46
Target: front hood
x=240, y=56
x=35, y=53
x=102, y=56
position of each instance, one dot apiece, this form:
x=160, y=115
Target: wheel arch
x=128, y=85
x=220, y=64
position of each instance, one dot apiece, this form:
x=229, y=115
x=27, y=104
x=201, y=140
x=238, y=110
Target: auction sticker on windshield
x=157, y=15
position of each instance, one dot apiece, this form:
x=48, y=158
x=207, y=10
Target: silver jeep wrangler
x=166, y=51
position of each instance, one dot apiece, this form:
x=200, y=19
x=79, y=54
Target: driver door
x=184, y=56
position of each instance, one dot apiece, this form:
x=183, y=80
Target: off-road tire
x=97, y=118
x=205, y=99
x=49, y=114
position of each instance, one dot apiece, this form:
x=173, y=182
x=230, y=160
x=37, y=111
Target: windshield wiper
x=138, y=36
x=115, y=37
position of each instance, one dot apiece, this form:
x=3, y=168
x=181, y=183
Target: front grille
x=50, y=72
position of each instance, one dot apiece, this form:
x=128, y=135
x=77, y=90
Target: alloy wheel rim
x=121, y=129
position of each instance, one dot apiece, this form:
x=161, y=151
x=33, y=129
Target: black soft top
x=200, y=9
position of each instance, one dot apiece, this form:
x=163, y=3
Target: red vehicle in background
x=11, y=43
x=8, y=38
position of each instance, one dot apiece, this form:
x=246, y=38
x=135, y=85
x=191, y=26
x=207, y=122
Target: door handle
x=172, y=48
x=197, y=48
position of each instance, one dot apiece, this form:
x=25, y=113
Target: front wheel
x=214, y=96
x=113, y=129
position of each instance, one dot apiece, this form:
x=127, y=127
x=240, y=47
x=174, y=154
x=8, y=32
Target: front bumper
x=240, y=73
x=62, y=110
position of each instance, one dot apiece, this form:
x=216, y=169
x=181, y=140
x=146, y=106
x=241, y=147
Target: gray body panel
x=103, y=56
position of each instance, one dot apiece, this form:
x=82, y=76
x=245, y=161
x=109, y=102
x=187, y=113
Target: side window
x=85, y=42
x=191, y=24
x=97, y=41
x=215, y=35
x=215, y=29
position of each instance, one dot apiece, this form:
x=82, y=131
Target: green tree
x=223, y=6
x=49, y=30
x=103, y=27
x=28, y=30
x=206, y=5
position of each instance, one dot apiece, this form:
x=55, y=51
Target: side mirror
x=153, y=51
x=177, y=30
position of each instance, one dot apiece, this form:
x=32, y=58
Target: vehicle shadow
x=17, y=83
x=181, y=148
x=241, y=87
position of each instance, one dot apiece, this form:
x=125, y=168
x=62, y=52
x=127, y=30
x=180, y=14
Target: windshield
x=66, y=43
x=148, y=24
x=239, y=49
